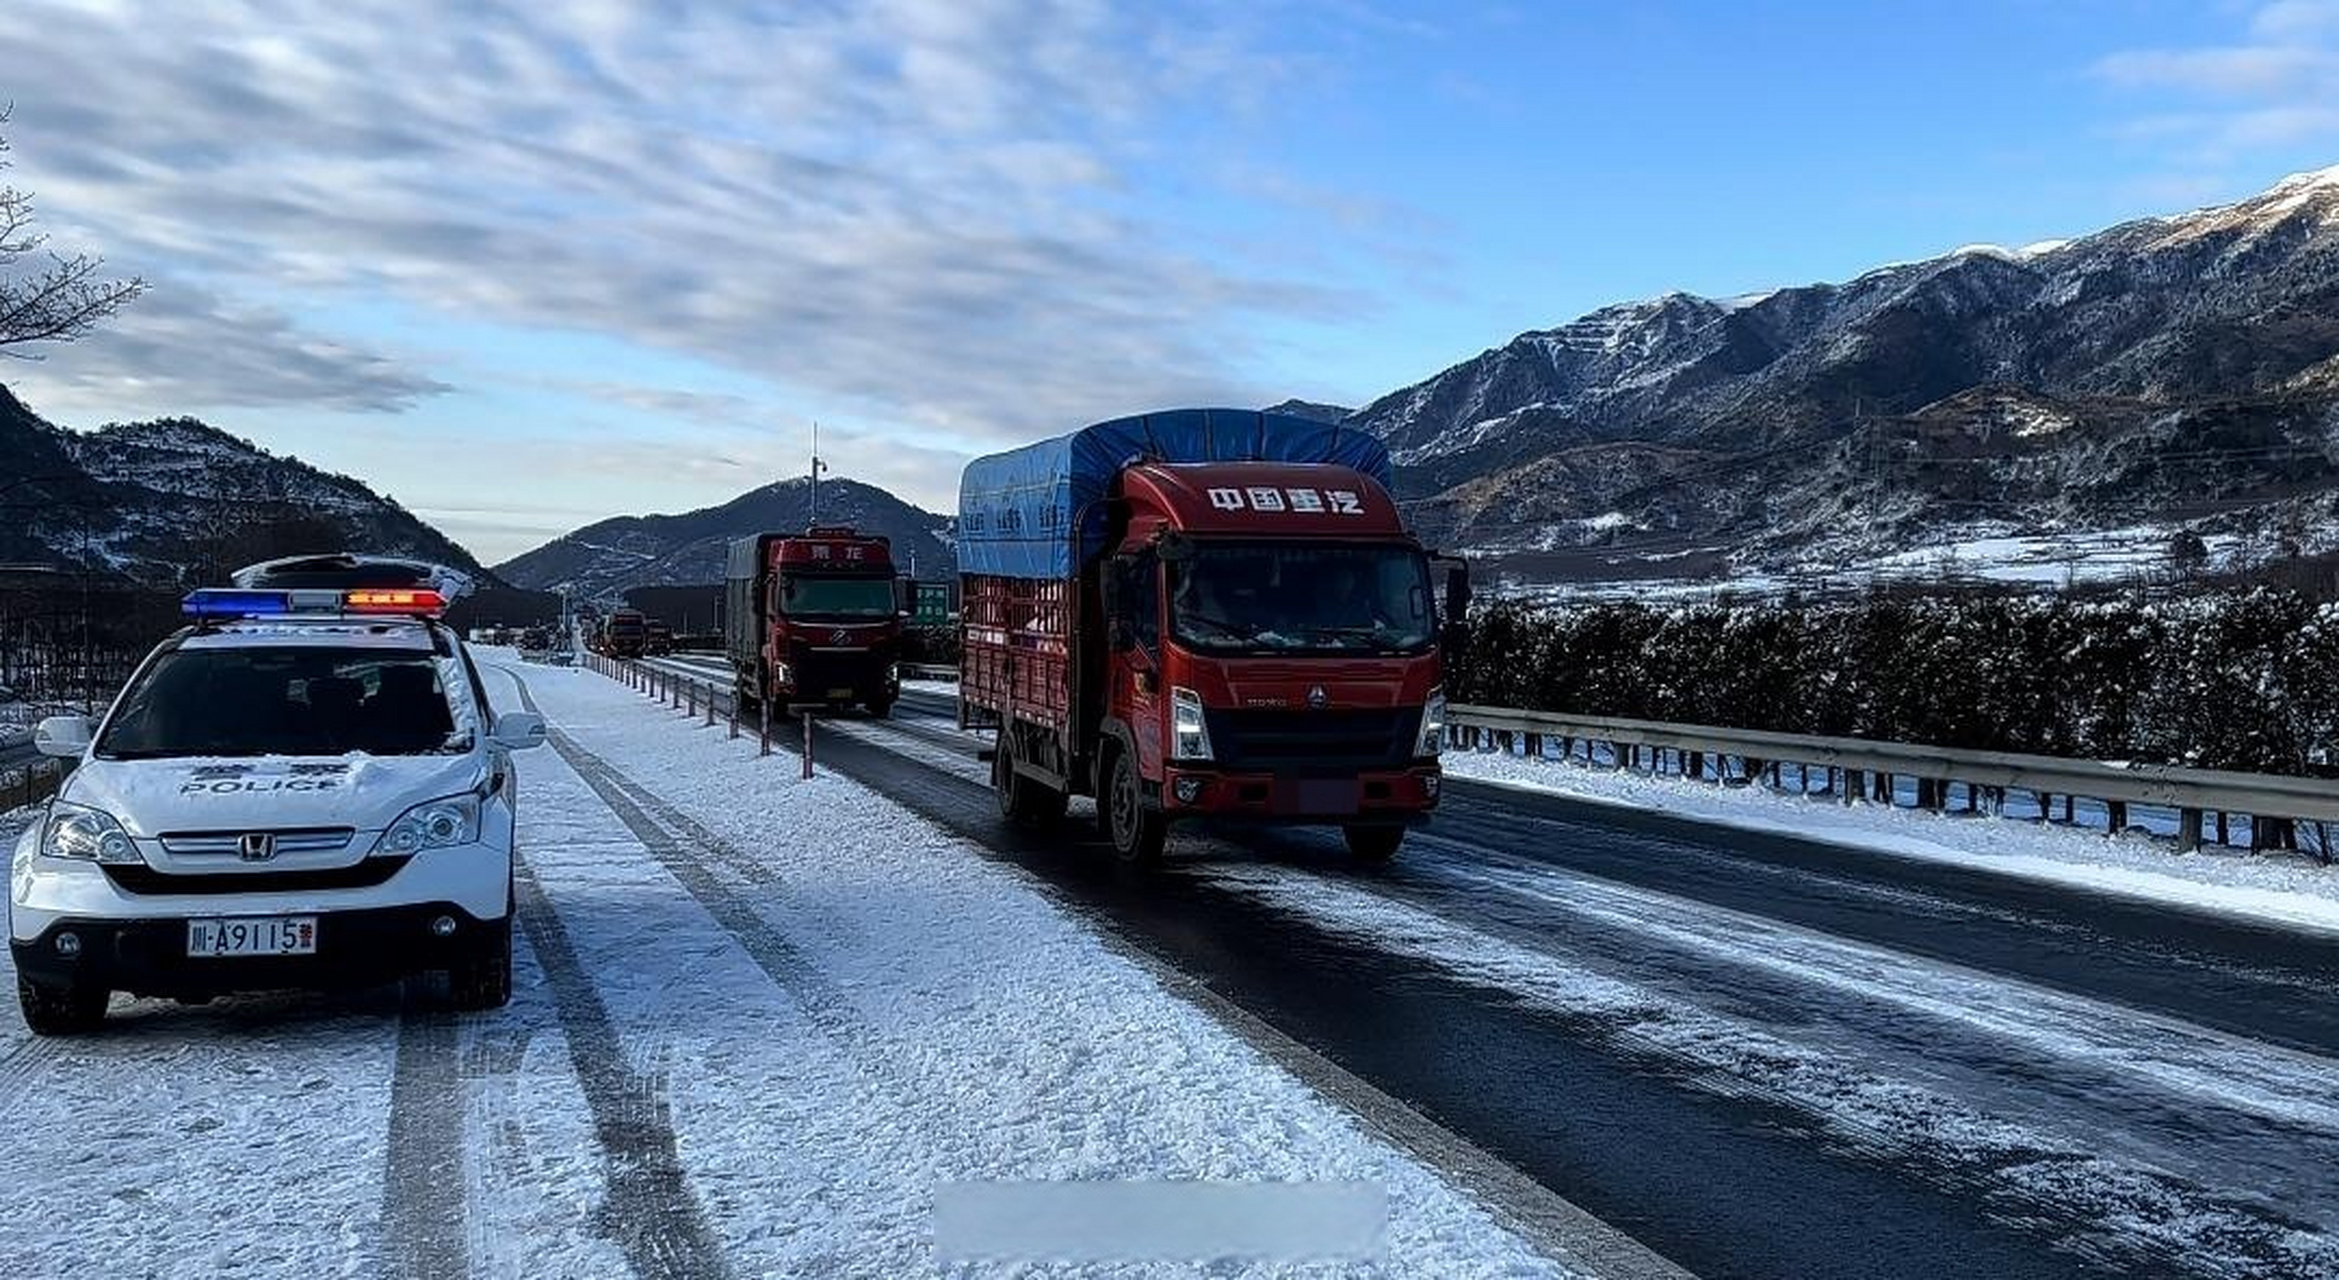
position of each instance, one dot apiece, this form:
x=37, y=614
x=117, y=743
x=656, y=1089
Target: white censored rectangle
x=1173, y=1221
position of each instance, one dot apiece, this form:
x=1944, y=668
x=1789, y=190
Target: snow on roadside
x=950, y=1023
x=2261, y=889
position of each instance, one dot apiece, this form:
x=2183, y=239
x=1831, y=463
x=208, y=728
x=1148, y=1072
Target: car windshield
x=1264, y=597
x=284, y=701
x=805, y=596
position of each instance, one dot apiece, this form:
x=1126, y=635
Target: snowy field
x=2282, y=888
x=757, y=1023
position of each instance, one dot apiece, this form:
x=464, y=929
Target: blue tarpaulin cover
x=1016, y=509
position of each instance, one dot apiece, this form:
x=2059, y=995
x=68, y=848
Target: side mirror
x=1458, y=591
x=1121, y=635
x=518, y=730
x=62, y=736
x=1108, y=585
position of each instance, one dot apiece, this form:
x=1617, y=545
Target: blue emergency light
x=226, y=602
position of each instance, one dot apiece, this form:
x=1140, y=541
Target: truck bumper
x=1396, y=796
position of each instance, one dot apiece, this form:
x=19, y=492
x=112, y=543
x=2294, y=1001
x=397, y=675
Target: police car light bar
x=218, y=603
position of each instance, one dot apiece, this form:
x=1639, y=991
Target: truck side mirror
x=1121, y=635
x=1108, y=586
x=1457, y=591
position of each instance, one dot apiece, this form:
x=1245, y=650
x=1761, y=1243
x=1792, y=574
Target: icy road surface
x=757, y=1022
x=1764, y=1054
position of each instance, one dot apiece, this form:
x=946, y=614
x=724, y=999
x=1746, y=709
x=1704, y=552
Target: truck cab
x=626, y=634
x=1272, y=653
x=814, y=619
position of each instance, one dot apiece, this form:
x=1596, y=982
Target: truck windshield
x=1267, y=597
x=805, y=596
x=288, y=702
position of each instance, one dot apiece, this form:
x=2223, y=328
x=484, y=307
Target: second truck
x=813, y=619
x=1202, y=613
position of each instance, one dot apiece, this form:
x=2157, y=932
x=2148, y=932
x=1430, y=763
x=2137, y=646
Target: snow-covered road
x=758, y=1023
x=763, y=1024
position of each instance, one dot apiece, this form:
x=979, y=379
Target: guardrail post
x=807, y=743
x=764, y=704
x=2115, y=816
x=734, y=716
x=2189, y=830
x=710, y=722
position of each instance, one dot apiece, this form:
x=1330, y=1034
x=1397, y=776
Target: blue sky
x=526, y=266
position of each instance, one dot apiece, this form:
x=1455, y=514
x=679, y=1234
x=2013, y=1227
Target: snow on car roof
x=398, y=634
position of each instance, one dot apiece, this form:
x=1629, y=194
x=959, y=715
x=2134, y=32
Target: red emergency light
x=416, y=602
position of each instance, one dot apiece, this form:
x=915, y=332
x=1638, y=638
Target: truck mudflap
x=1388, y=796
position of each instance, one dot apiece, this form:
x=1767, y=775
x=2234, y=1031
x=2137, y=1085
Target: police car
x=305, y=787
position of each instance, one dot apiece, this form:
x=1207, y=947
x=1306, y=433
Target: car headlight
x=431, y=825
x=1433, y=723
x=83, y=834
x=1189, y=733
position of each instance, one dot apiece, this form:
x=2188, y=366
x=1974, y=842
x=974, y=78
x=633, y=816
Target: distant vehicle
x=657, y=638
x=624, y=634
x=1202, y=613
x=814, y=618
x=305, y=787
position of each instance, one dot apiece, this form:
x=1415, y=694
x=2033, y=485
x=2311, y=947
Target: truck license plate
x=840, y=695
x=1325, y=795
x=253, y=936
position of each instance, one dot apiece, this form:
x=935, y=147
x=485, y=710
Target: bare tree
x=54, y=298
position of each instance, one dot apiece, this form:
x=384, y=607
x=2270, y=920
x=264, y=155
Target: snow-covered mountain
x=2168, y=371
x=599, y=561
x=172, y=502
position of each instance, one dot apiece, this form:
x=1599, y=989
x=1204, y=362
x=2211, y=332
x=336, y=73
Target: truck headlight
x=781, y=674
x=1189, y=733
x=432, y=824
x=1433, y=723
x=83, y=834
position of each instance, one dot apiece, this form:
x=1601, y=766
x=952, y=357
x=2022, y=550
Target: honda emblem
x=257, y=846
x=1317, y=697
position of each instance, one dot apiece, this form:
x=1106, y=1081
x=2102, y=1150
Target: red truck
x=1202, y=613
x=625, y=634
x=814, y=618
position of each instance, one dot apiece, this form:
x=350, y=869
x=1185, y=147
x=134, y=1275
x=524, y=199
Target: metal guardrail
x=27, y=784
x=2188, y=791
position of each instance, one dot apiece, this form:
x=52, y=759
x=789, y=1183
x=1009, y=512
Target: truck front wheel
x=1022, y=801
x=1137, y=831
x=1373, y=844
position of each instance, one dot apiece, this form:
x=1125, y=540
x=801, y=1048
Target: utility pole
x=817, y=467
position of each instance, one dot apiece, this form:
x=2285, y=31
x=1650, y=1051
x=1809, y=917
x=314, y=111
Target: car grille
x=364, y=874
x=230, y=843
x=1288, y=741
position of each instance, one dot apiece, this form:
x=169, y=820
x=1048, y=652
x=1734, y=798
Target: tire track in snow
x=422, y=1189
x=650, y=1212
x=1559, y=1227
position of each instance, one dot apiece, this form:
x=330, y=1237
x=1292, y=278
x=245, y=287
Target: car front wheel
x=483, y=979
x=61, y=1011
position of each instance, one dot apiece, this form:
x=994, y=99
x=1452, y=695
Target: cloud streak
x=2277, y=87
x=919, y=211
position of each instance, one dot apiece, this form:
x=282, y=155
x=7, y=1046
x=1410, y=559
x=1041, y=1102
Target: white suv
x=304, y=788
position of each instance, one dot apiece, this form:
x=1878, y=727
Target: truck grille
x=1287, y=741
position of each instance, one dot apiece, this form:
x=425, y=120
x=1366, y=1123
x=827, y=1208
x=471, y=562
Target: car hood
x=149, y=797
